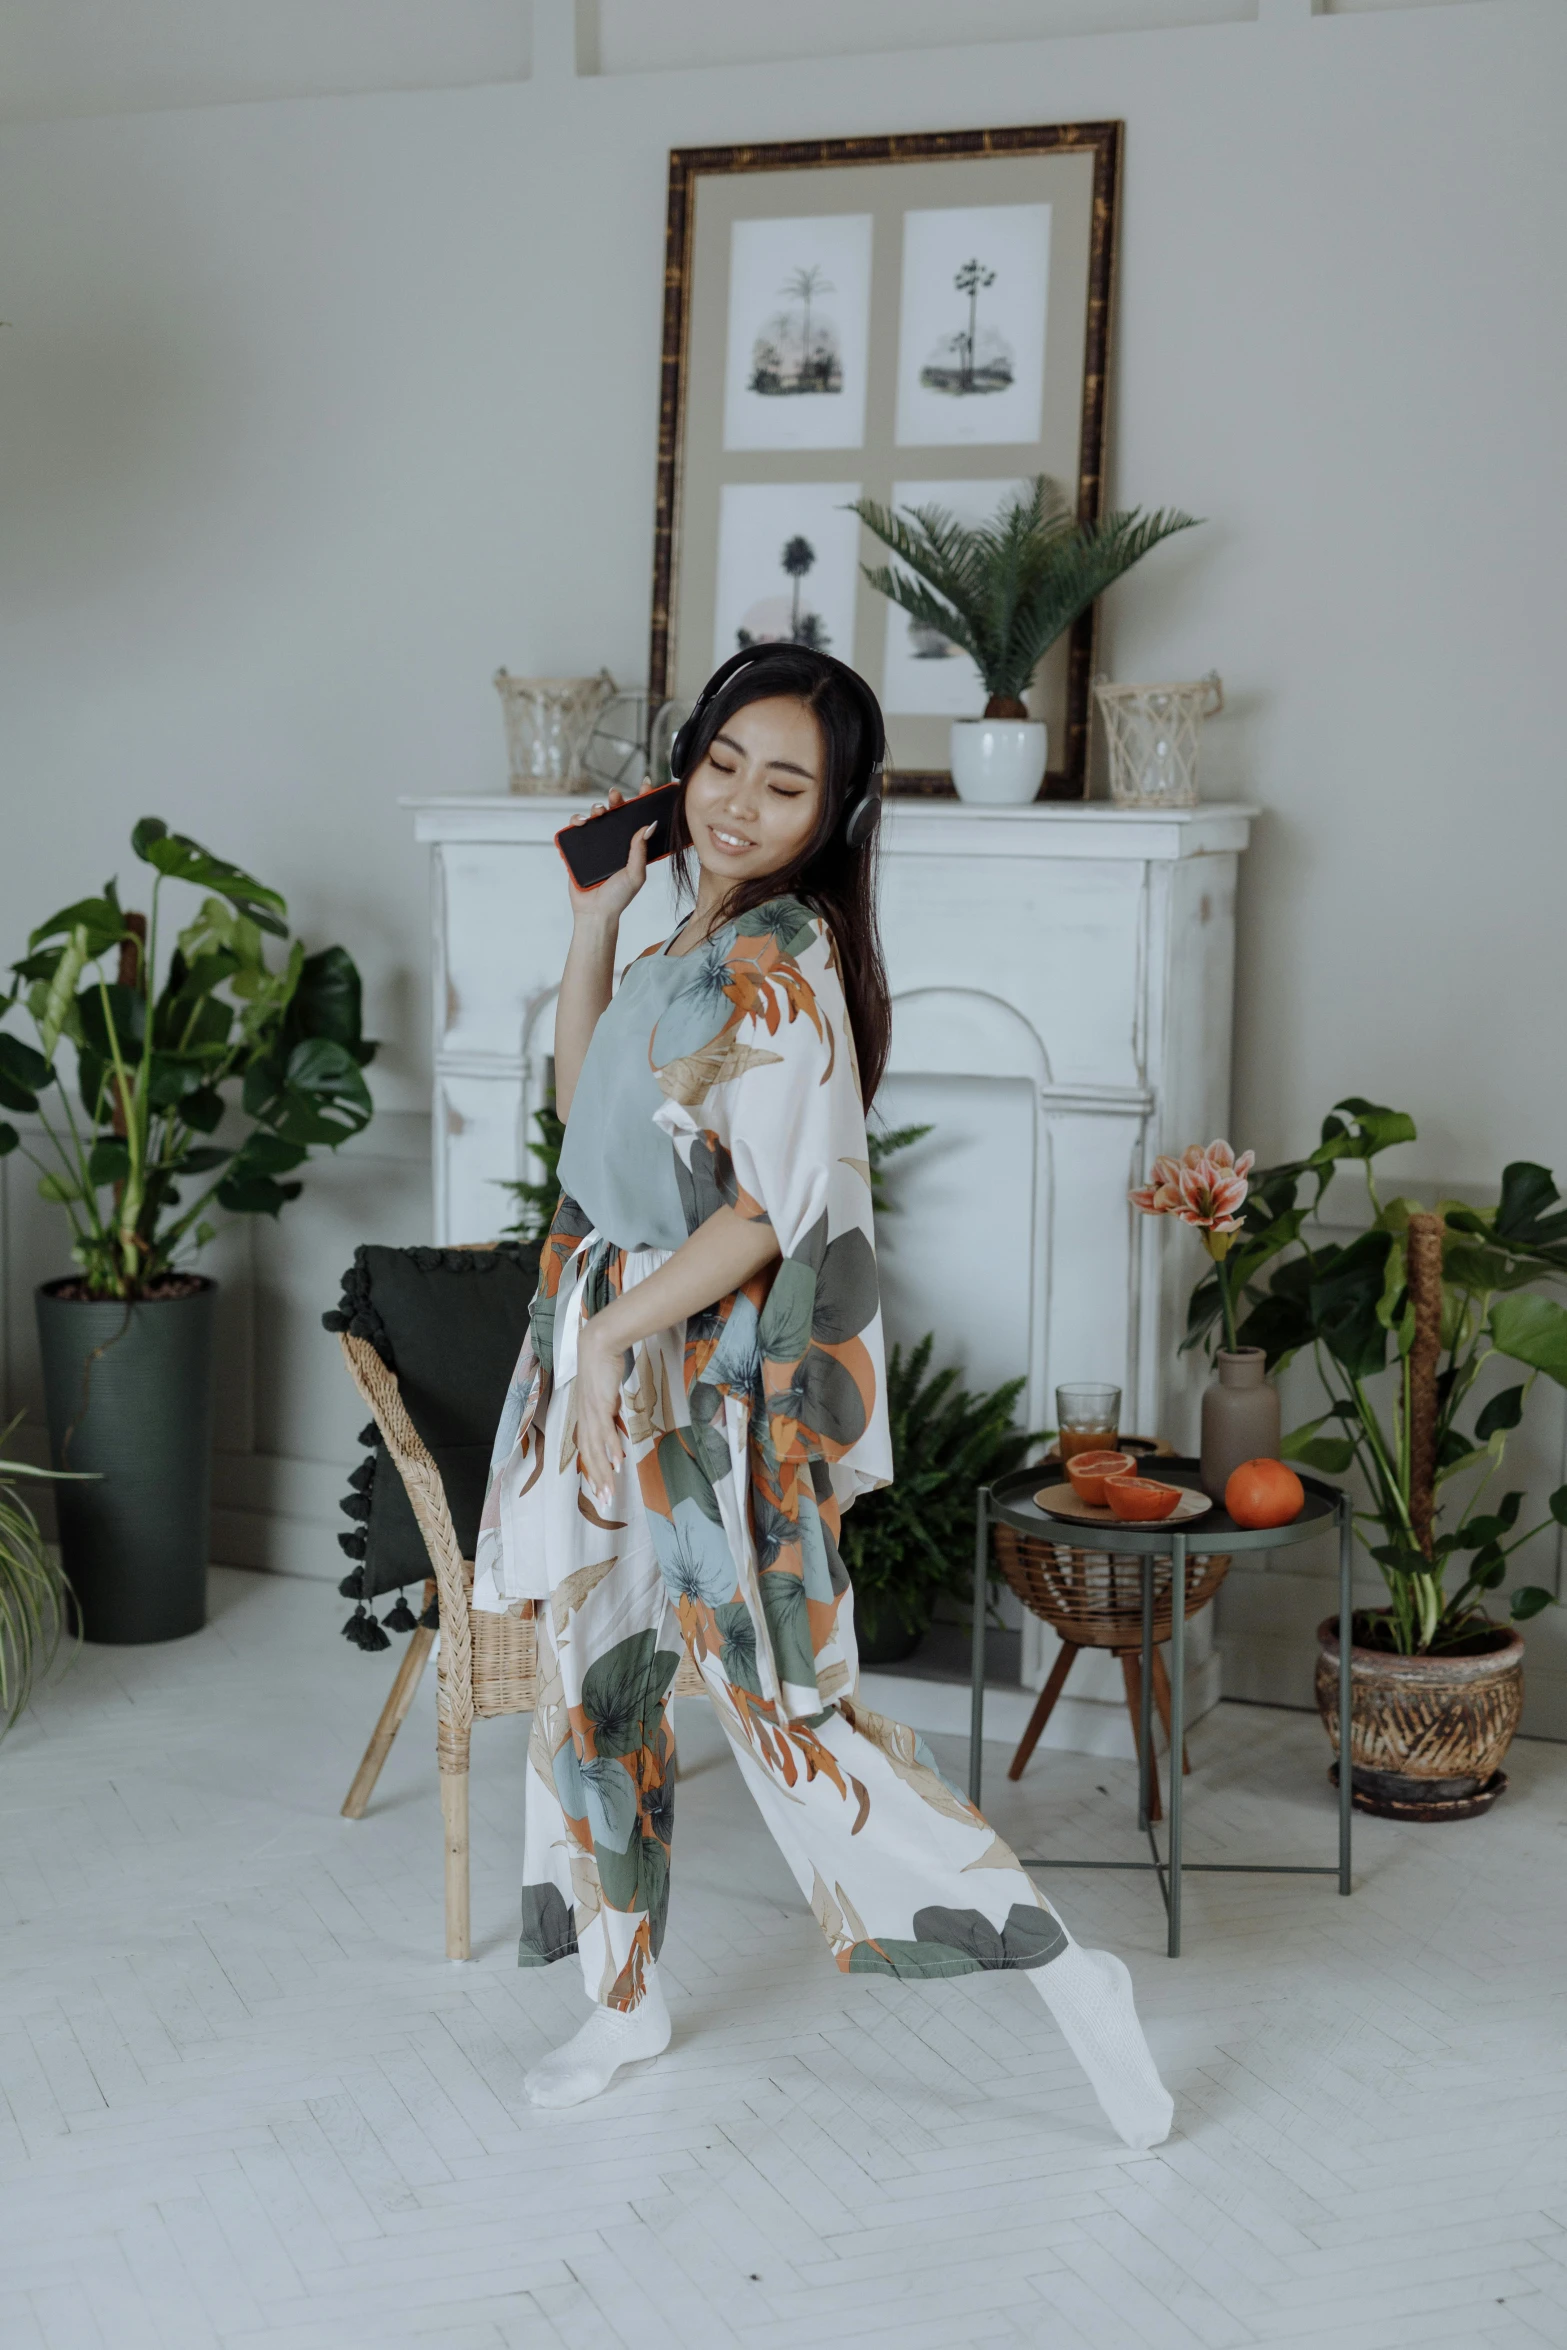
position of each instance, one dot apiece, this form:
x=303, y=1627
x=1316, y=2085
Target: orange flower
x=1204, y=1187
x=1161, y=1194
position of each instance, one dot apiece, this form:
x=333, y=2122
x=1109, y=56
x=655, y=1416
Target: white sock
x=611, y=2037
x=1089, y=1992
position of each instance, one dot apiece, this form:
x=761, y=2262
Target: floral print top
x=785, y=1379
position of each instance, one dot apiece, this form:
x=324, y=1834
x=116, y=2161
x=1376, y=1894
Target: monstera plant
x=134, y=1161
x=1434, y=1298
x=166, y=1083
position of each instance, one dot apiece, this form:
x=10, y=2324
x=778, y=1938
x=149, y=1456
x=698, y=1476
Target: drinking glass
x=1088, y=1418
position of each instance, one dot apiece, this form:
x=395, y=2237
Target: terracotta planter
x=1427, y=1733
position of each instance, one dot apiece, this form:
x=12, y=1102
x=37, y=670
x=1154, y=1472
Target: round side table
x=1011, y=1501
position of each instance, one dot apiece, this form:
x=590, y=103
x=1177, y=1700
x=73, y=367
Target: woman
x=702, y=1394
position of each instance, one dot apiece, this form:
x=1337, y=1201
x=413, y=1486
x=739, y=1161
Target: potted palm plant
x=1004, y=591
x=160, y=1053
x=1401, y=1323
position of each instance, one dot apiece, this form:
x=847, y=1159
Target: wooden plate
x=1062, y=1502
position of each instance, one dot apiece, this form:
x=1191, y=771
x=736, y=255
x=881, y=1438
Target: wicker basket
x=1094, y=1598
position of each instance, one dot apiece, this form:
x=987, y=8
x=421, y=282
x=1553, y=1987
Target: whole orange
x=1264, y=1493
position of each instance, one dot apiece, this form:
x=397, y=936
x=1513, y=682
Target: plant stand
x=1010, y=1502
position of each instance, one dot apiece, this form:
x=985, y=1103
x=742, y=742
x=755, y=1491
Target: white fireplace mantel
x=1062, y=981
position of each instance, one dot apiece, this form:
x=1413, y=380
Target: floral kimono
x=749, y=1429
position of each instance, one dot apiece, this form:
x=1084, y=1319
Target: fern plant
x=913, y=1540
x=1005, y=590
x=536, y=1201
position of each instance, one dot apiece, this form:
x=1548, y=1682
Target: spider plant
x=1005, y=590
x=35, y=1597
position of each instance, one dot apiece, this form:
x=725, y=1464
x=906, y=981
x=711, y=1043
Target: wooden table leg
x=393, y=1715
x=1043, y=1710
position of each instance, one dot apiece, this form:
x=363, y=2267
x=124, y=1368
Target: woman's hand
x=601, y=1445
x=610, y=899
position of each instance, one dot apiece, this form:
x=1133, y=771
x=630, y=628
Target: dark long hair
x=833, y=879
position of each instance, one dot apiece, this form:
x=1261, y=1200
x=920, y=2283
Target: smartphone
x=599, y=848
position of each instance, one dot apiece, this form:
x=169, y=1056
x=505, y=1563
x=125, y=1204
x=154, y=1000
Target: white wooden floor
x=247, y=2103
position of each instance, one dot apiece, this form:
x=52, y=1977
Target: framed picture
x=920, y=319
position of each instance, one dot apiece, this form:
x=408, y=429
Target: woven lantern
x=1153, y=732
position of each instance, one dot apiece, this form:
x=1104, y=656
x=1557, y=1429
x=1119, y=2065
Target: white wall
x=316, y=411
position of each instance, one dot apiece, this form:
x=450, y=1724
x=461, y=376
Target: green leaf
x=1503, y=1411
x=202, y=1111
x=1344, y=1302
x=99, y=918
x=267, y=1154
x=1372, y=1128
x=22, y=1073
x=109, y=1160
x=1532, y=1330
x=255, y=1195
x=1331, y=1454
x=59, y=999
x=1528, y=1600
x=126, y=1012
x=183, y=859
x=1558, y=1505
x=1520, y=1216
x=59, y=1188
x=325, y=1097
x=326, y=1001
x=10, y=1140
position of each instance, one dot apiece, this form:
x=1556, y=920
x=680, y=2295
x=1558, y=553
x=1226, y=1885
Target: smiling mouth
x=732, y=841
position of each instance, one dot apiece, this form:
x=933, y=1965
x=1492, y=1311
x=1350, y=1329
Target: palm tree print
x=971, y=374
x=817, y=365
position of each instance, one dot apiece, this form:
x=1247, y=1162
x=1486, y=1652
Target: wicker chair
x=1093, y=1599
x=488, y=1664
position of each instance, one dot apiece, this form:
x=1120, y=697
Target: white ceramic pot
x=998, y=762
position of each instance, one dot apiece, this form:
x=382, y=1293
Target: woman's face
x=752, y=802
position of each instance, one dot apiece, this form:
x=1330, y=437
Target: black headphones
x=863, y=813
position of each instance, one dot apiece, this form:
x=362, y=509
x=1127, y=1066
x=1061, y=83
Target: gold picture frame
x=739, y=461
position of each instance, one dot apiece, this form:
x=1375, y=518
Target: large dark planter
x=880, y=1634
x=128, y=1392
x=1427, y=1733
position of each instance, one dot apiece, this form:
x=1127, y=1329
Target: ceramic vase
x=998, y=762
x=1240, y=1418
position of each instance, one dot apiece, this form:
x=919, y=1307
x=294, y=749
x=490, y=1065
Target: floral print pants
x=902, y=1874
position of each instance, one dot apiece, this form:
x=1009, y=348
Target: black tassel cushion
x=450, y=1323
